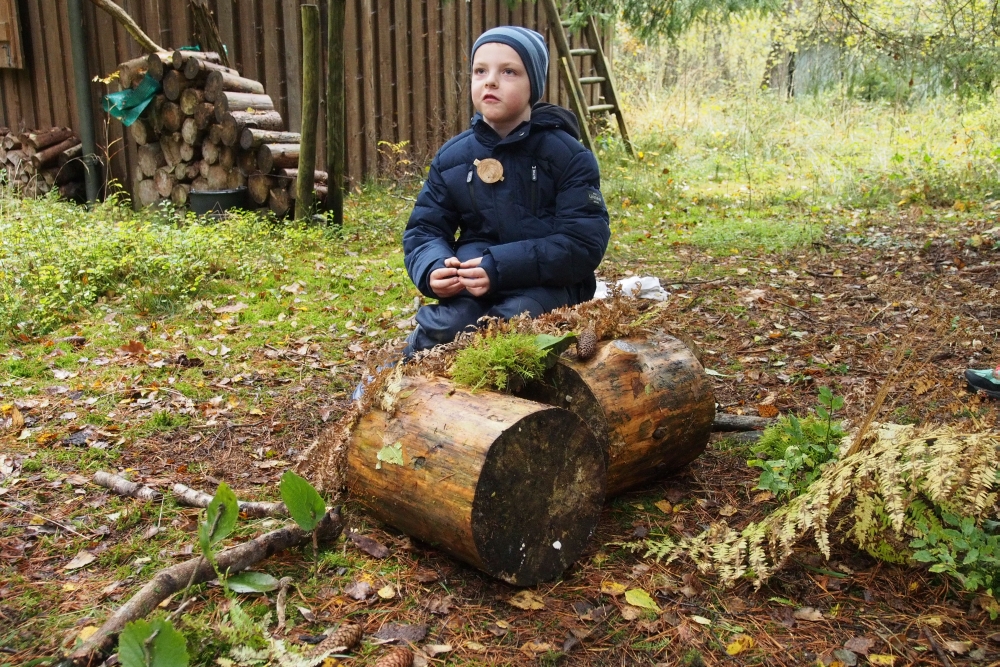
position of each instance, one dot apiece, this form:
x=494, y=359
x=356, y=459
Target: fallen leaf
x=87, y=632
x=425, y=576
x=526, y=600
x=307, y=614
x=387, y=592
x=612, y=588
x=630, y=613
x=807, y=614
x=358, y=590
x=859, y=645
x=739, y=644
x=373, y=548
x=16, y=419
x=881, y=660
x=845, y=658
x=475, y=647
x=664, y=506
x=82, y=559
x=957, y=647
x=231, y=308
x=533, y=648
x=641, y=598
x=701, y=620
x=439, y=605
x=728, y=510
x=134, y=348
x=436, y=649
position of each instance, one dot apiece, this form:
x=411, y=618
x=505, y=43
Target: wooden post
x=335, y=111
x=510, y=486
x=310, y=109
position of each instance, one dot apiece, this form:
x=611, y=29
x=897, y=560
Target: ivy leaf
x=152, y=644
x=303, y=501
x=220, y=519
x=251, y=582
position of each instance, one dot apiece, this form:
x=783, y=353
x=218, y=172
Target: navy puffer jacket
x=544, y=224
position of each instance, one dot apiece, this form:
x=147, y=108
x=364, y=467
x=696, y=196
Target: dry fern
x=878, y=486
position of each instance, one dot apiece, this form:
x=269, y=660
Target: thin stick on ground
x=197, y=570
x=123, y=487
x=193, y=498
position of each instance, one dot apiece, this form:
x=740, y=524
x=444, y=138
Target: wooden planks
x=11, y=49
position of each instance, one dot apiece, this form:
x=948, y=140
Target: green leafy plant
x=153, y=643
x=305, y=506
x=220, y=519
x=960, y=548
x=503, y=362
x=791, y=453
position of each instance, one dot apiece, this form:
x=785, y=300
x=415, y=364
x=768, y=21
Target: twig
x=937, y=648
x=129, y=24
x=282, y=600
x=788, y=305
x=44, y=518
x=667, y=281
x=172, y=579
x=727, y=422
x=194, y=498
x=123, y=487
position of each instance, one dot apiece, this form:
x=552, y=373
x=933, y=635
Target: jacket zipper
x=534, y=189
x=472, y=193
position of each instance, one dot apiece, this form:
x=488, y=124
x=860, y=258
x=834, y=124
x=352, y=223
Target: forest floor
x=781, y=299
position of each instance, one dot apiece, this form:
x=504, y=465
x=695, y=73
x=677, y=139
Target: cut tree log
x=199, y=184
x=218, y=177
x=210, y=150
x=228, y=102
x=50, y=154
x=227, y=157
x=198, y=570
x=179, y=58
x=164, y=180
x=150, y=159
x=188, y=152
x=157, y=64
x=188, y=171
x=145, y=193
x=200, y=69
x=233, y=123
x=279, y=201
x=259, y=187
x=247, y=161
x=131, y=72
x=174, y=84
x=190, y=132
x=155, y=111
x=510, y=486
x=190, y=99
x=649, y=403
x=276, y=156
x=236, y=179
x=219, y=82
x=252, y=138
x=171, y=146
x=141, y=132
x=215, y=135
x=180, y=193
x=204, y=115
x=172, y=116
x=40, y=140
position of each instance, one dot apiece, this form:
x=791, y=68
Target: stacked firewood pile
x=39, y=161
x=209, y=129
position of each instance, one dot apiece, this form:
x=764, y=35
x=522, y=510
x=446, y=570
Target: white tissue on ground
x=649, y=288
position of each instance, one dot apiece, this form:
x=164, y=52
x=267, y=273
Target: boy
x=522, y=193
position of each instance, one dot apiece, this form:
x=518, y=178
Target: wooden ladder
x=575, y=83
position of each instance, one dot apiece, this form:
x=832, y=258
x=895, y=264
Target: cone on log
x=510, y=486
x=648, y=402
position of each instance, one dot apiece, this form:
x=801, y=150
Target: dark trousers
x=441, y=322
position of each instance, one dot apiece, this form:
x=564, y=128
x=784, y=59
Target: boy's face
x=501, y=90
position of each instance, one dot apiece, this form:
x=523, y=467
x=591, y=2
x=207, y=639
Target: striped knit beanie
x=530, y=46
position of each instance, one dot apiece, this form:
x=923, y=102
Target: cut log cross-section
x=510, y=486
x=233, y=123
x=649, y=403
x=276, y=156
x=174, y=84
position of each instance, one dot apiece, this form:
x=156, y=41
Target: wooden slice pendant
x=489, y=170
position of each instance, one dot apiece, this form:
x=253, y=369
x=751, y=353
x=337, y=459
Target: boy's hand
x=473, y=278
x=445, y=282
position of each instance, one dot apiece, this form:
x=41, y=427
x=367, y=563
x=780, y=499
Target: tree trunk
x=648, y=402
x=510, y=486
x=233, y=123
x=310, y=109
x=220, y=82
x=252, y=138
x=335, y=138
x=273, y=156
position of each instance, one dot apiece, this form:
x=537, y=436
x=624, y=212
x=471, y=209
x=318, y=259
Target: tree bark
x=510, y=486
x=226, y=102
x=40, y=140
x=193, y=498
x=310, y=110
x=274, y=156
x=123, y=487
x=252, y=138
x=197, y=570
x=220, y=82
x=648, y=402
x=234, y=122
x=200, y=69
x=129, y=24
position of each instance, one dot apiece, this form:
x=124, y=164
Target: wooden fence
x=407, y=66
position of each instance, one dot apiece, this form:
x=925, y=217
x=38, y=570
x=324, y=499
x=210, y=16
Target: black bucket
x=217, y=201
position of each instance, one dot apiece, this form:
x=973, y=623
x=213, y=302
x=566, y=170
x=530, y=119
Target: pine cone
x=397, y=657
x=586, y=344
x=345, y=637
